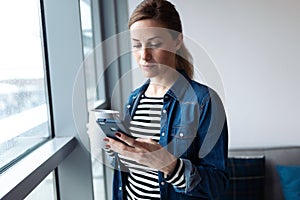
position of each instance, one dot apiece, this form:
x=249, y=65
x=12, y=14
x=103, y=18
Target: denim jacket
x=193, y=128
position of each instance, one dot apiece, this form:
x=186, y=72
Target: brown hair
x=165, y=13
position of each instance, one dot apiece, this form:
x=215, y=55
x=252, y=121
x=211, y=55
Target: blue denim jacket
x=193, y=128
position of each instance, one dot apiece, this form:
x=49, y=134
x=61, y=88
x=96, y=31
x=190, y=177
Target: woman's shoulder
x=203, y=91
x=199, y=86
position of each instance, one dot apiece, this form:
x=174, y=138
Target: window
x=22, y=69
x=91, y=37
x=95, y=90
x=104, y=64
x=24, y=118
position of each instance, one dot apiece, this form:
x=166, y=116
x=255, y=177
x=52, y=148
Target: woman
x=180, y=125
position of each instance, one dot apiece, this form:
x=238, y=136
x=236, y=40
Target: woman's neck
x=158, y=87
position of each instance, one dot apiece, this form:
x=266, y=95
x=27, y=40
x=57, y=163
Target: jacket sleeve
x=206, y=177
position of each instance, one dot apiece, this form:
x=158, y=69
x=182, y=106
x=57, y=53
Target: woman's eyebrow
x=149, y=39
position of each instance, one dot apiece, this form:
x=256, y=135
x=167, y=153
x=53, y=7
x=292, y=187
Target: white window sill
x=19, y=180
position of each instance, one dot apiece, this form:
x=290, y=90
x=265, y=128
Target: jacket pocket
x=181, y=144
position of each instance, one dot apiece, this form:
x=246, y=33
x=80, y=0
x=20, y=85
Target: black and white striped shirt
x=142, y=181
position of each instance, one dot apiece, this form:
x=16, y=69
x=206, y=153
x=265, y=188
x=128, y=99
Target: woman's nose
x=146, y=54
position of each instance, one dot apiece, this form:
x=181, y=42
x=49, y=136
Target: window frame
x=24, y=176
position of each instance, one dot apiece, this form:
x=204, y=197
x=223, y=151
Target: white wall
x=255, y=46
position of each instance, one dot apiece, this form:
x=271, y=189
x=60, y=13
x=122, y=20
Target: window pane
x=92, y=65
x=23, y=106
x=86, y=26
x=45, y=190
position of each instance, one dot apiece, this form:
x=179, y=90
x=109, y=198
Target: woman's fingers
x=147, y=140
x=128, y=140
x=119, y=147
x=131, y=145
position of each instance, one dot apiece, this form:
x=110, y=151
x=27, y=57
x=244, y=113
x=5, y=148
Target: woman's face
x=153, y=47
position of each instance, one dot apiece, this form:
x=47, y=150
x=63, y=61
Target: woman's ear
x=179, y=41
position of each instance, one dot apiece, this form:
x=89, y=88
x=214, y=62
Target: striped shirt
x=142, y=181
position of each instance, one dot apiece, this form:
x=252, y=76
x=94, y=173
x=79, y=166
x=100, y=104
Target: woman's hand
x=144, y=151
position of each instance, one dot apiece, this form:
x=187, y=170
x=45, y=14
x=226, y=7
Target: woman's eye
x=155, y=45
x=137, y=46
x=151, y=46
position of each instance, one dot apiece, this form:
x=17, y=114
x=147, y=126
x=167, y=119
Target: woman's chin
x=149, y=73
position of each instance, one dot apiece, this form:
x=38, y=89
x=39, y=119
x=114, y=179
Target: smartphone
x=111, y=126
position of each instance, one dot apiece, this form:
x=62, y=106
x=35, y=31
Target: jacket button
x=128, y=106
x=120, y=188
x=162, y=183
x=164, y=111
x=163, y=134
x=181, y=134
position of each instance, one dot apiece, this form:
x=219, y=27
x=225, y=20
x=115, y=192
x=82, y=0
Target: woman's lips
x=148, y=66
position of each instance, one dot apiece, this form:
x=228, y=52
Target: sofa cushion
x=290, y=181
x=246, y=178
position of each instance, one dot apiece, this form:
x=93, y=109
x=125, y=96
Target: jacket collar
x=180, y=87
x=178, y=90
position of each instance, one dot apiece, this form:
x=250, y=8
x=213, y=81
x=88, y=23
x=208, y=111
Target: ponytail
x=184, y=61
